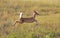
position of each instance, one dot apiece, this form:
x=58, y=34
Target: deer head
x=36, y=12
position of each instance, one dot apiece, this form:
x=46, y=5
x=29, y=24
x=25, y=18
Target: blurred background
x=49, y=19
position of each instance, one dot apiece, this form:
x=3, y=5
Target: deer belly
x=28, y=20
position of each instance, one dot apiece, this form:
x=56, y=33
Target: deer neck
x=34, y=15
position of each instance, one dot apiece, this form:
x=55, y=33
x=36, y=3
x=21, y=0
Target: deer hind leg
x=18, y=22
x=15, y=23
x=21, y=21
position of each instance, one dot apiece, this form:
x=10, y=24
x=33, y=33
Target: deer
x=27, y=20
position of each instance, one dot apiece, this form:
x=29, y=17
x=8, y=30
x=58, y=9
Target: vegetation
x=49, y=19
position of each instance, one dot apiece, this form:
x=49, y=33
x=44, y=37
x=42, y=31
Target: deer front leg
x=36, y=22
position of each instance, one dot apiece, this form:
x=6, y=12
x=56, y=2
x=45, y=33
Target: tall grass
x=49, y=19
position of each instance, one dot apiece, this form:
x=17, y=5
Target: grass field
x=49, y=19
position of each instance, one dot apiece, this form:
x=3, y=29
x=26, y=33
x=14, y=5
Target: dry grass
x=49, y=19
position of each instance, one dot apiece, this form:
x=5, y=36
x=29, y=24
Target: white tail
x=28, y=20
x=20, y=15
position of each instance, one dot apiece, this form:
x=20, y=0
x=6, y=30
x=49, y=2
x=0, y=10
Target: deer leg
x=15, y=23
x=13, y=28
x=36, y=22
x=18, y=22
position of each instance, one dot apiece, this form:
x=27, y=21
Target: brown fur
x=28, y=20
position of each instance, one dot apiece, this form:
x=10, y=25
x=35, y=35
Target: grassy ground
x=49, y=19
